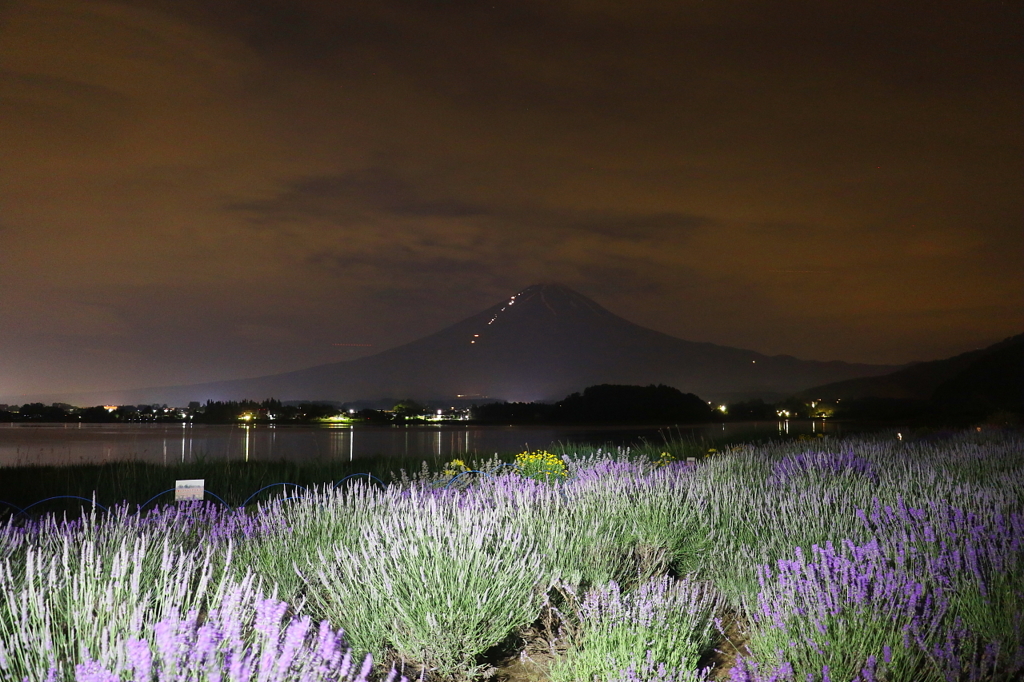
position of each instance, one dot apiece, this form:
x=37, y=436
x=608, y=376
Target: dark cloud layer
x=340, y=196
x=202, y=190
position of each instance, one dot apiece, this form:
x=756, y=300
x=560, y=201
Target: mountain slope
x=542, y=343
x=993, y=382
x=921, y=380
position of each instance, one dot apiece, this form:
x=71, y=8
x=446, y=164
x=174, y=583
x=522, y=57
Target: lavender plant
x=59, y=607
x=652, y=671
x=245, y=638
x=436, y=579
x=670, y=517
x=822, y=464
x=595, y=530
x=934, y=596
x=662, y=628
x=832, y=609
x=978, y=561
x=629, y=520
x=12, y=537
x=324, y=518
x=755, y=521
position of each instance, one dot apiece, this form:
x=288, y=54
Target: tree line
x=212, y=412
x=605, y=403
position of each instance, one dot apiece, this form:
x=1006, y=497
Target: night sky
x=202, y=190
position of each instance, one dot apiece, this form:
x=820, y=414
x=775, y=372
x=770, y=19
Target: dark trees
x=633, y=404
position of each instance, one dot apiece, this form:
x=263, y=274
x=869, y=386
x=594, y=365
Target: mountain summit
x=541, y=343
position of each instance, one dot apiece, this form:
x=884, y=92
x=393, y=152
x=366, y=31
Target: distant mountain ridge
x=993, y=384
x=984, y=385
x=542, y=343
x=997, y=367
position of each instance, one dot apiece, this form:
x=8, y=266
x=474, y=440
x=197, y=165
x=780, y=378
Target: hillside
x=975, y=371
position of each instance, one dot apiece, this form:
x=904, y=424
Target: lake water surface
x=26, y=444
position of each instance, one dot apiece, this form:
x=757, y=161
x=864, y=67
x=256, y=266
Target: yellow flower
x=665, y=459
x=541, y=465
x=454, y=468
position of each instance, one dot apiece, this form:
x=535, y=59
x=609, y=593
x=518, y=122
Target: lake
x=26, y=444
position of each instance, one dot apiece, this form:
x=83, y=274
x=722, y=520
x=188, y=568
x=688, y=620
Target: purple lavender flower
x=792, y=467
x=140, y=658
x=283, y=649
x=850, y=593
x=92, y=671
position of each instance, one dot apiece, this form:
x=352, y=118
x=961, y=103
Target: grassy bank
x=136, y=482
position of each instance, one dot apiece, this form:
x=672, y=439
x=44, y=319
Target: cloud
x=347, y=195
x=265, y=334
x=216, y=171
x=35, y=93
x=411, y=263
x=60, y=318
x=654, y=226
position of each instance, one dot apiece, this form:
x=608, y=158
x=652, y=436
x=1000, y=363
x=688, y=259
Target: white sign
x=189, y=489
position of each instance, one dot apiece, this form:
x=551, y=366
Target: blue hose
x=65, y=497
x=368, y=477
x=269, y=486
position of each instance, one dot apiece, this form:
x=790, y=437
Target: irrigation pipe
x=269, y=486
x=13, y=506
x=474, y=471
x=66, y=497
x=368, y=477
x=170, y=490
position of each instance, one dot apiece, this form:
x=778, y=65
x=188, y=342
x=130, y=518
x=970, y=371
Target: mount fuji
x=541, y=343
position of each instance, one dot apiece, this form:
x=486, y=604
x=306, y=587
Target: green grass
x=137, y=482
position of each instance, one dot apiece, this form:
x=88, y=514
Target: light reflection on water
x=23, y=444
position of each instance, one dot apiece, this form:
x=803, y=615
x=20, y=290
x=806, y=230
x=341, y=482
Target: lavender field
x=829, y=559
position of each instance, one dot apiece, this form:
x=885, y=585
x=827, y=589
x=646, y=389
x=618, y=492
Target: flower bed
x=845, y=560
